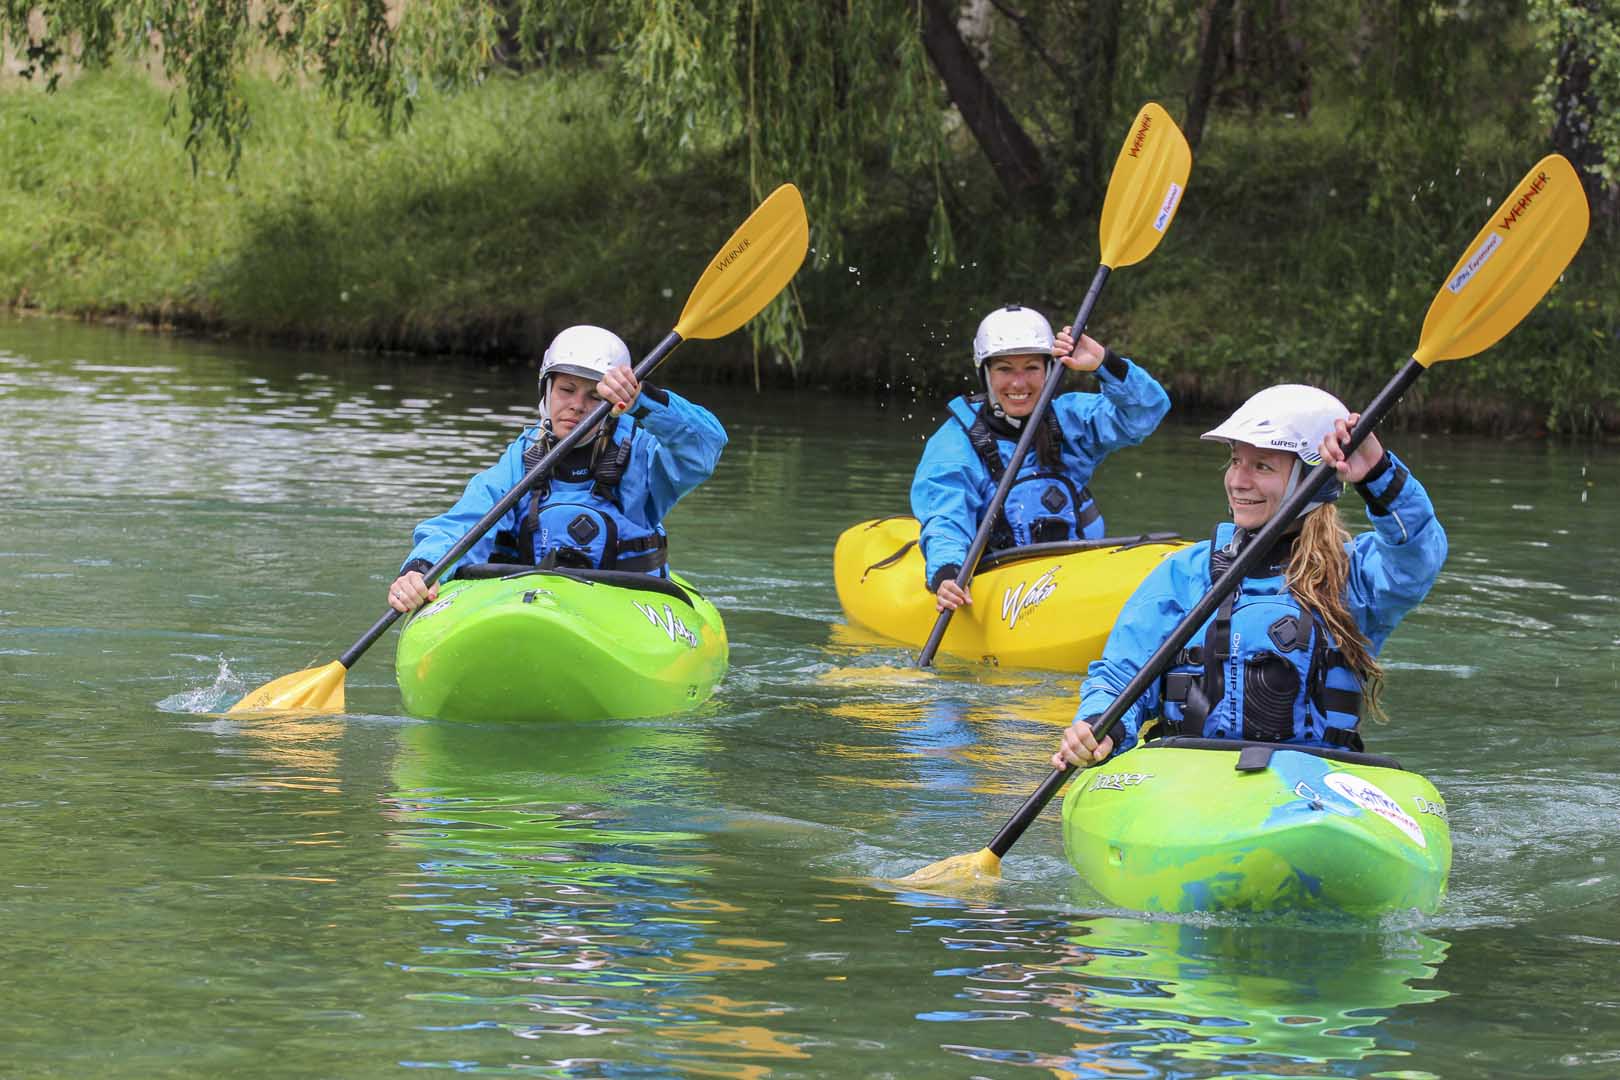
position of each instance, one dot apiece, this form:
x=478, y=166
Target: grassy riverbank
x=503, y=214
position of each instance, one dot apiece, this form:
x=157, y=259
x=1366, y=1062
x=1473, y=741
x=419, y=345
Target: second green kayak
x=1186, y=825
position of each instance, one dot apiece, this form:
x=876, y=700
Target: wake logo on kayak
x=1370, y=796
x=1023, y=596
x=669, y=622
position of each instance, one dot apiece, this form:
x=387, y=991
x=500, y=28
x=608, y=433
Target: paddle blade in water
x=957, y=870
x=1145, y=190
x=746, y=274
x=311, y=690
x=1511, y=264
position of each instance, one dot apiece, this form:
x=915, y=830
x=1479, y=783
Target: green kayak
x=1185, y=825
x=537, y=645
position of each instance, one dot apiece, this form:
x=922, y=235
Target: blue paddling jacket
x=1262, y=667
x=963, y=462
x=603, y=507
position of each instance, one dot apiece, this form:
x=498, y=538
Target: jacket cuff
x=421, y=566
x=650, y=395
x=1115, y=364
x=1382, y=485
x=945, y=573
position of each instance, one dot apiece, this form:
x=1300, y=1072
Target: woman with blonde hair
x=1291, y=656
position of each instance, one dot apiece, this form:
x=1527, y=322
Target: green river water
x=367, y=895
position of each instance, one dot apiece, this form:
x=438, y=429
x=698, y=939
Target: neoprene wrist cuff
x=421, y=566
x=1378, y=470
x=1379, y=502
x=649, y=392
x=1115, y=364
x=945, y=573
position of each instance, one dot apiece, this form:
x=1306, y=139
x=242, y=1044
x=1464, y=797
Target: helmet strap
x=1293, y=477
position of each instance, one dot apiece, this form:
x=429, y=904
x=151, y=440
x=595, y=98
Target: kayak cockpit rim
x=619, y=579
x=1240, y=746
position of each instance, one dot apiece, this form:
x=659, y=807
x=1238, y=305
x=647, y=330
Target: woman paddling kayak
x=965, y=459
x=603, y=507
x=1291, y=657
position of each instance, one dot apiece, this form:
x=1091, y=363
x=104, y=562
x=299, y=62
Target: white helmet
x=1012, y=331
x=1289, y=417
x=585, y=351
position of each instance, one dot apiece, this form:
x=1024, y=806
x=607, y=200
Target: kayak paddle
x=753, y=266
x=1507, y=268
x=1149, y=176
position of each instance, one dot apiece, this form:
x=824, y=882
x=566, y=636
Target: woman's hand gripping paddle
x=1509, y=266
x=1149, y=177
x=753, y=266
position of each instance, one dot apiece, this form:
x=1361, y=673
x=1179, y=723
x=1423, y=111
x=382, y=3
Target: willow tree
x=826, y=93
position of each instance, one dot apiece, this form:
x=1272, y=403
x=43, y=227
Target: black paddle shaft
x=541, y=469
x=1252, y=553
x=1025, y=439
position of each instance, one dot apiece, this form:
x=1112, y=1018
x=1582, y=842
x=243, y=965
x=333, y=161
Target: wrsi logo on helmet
x=584, y=350
x=1289, y=417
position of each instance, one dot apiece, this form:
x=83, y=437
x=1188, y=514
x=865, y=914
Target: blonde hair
x=1318, y=572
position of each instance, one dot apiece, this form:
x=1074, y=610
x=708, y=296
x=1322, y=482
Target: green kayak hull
x=568, y=645
x=1179, y=828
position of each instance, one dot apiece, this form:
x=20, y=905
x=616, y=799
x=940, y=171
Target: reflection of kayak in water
x=1045, y=606
x=558, y=645
x=560, y=805
x=1260, y=1000
x=600, y=764
x=1208, y=825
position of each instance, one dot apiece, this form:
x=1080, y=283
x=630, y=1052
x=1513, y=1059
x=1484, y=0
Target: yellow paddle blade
x=1145, y=190
x=956, y=870
x=1510, y=265
x=311, y=690
x=746, y=274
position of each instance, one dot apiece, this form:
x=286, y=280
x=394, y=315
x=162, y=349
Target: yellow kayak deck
x=1047, y=606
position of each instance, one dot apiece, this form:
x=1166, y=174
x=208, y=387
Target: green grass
x=499, y=216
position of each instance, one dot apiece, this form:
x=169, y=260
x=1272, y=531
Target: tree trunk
x=1575, y=107
x=1297, y=65
x=1211, y=40
x=1013, y=155
x=1092, y=117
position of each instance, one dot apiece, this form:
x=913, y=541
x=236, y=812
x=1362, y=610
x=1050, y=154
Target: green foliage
x=1350, y=153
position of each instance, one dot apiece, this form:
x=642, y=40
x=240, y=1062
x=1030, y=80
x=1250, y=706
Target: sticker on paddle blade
x=1370, y=796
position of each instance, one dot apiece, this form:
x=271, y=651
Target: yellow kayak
x=1045, y=606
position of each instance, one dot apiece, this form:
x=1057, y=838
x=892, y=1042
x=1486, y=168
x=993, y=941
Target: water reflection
x=1153, y=998
x=570, y=902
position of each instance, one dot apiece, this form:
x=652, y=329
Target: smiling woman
x=1048, y=501
x=603, y=507
x=1291, y=656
